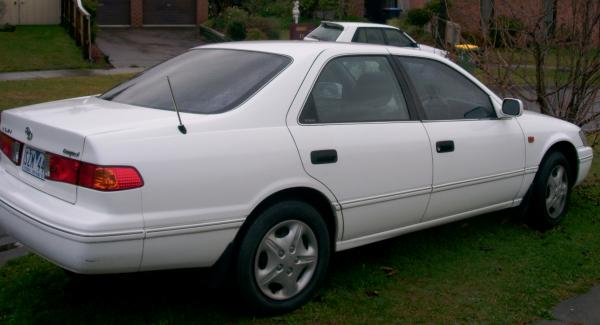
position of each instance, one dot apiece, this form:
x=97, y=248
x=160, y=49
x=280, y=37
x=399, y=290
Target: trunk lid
x=61, y=128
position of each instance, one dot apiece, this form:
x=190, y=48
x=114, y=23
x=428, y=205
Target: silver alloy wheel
x=286, y=259
x=557, y=188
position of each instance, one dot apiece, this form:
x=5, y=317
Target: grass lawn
x=40, y=48
x=491, y=269
x=25, y=92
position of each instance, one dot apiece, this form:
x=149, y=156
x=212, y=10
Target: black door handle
x=320, y=157
x=444, y=146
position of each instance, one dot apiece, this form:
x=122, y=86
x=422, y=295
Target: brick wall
x=415, y=3
x=356, y=8
x=201, y=11
x=137, y=13
x=467, y=12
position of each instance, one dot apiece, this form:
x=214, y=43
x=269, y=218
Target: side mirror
x=512, y=107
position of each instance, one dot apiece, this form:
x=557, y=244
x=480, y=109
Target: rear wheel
x=283, y=257
x=551, y=189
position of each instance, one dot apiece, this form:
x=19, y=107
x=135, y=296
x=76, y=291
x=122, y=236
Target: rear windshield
x=204, y=81
x=326, y=32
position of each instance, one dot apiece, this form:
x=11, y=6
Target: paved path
x=584, y=309
x=9, y=249
x=26, y=75
x=145, y=47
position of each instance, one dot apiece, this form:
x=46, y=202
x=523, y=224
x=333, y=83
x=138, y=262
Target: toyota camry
x=268, y=157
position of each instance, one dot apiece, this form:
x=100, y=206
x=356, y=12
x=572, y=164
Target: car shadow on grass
x=39, y=292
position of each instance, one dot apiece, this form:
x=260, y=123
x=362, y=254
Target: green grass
x=40, y=48
x=25, y=92
x=490, y=269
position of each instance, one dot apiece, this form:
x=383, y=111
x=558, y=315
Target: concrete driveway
x=145, y=47
x=9, y=249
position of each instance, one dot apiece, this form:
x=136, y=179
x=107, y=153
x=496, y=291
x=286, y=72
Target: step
x=5, y=240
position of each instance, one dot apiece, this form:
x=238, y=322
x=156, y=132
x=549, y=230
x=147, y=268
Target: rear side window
x=445, y=93
x=355, y=89
x=327, y=32
x=369, y=35
x=205, y=81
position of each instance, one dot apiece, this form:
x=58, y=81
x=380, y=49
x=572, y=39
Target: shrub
x=268, y=26
x=236, y=30
x=268, y=8
x=418, y=17
x=355, y=18
x=232, y=14
x=234, y=22
x=254, y=34
x=435, y=6
x=504, y=29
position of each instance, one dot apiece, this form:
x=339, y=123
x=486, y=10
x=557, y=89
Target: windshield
x=205, y=81
x=326, y=32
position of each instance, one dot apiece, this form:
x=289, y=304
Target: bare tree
x=2, y=9
x=549, y=61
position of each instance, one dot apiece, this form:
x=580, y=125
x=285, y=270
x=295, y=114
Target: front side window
x=355, y=89
x=397, y=38
x=444, y=93
x=326, y=32
x=205, y=81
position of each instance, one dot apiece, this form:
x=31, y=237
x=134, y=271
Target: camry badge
x=28, y=133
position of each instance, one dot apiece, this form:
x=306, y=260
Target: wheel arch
x=328, y=210
x=309, y=195
x=570, y=152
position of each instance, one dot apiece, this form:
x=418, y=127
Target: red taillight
x=101, y=178
x=62, y=169
x=107, y=178
x=11, y=148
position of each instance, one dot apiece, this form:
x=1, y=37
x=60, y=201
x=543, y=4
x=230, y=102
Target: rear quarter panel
x=200, y=187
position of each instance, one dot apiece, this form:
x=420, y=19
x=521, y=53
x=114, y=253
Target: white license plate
x=34, y=162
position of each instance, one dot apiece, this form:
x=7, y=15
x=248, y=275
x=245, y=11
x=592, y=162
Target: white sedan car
x=269, y=156
x=359, y=32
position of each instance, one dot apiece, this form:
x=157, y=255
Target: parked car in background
x=358, y=32
x=267, y=157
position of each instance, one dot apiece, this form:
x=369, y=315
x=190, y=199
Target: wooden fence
x=79, y=23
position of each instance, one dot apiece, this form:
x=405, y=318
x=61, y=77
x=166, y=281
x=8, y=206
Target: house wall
x=467, y=13
x=201, y=11
x=415, y=3
x=137, y=12
x=38, y=12
x=356, y=8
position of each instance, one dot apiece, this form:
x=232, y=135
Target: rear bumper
x=585, y=156
x=31, y=217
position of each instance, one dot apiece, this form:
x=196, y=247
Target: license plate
x=34, y=162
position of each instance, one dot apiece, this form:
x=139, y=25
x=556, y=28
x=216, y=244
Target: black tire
x=295, y=213
x=540, y=215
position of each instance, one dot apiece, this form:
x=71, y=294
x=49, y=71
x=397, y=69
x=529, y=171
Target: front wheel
x=551, y=189
x=283, y=257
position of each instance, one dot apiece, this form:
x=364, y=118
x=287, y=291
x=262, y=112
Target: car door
x=357, y=133
x=478, y=159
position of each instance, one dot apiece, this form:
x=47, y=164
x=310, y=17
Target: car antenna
x=181, y=127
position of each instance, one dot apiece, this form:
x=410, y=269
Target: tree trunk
x=441, y=24
x=540, y=82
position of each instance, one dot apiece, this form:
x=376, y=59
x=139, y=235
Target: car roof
x=358, y=24
x=295, y=49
